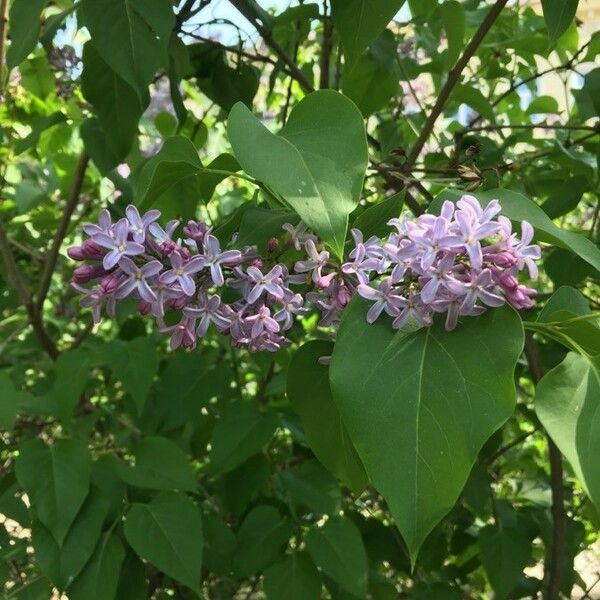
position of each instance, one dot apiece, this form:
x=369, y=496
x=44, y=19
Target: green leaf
x=337, y=548
x=421, y=412
x=566, y=197
x=10, y=402
x=63, y=565
x=258, y=225
x=177, y=160
x=505, y=552
x=566, y=268
x=37, y=128
x=260, y=540
x=310, y=485
x=98, y=146
x=159, y=465
x=475, y=99
x=135, y=363
x=373, y=220
x=520, y=208
x=72, y=372
x=219, y=545
x=115, y=102
x=373, y=79
x=241, y=432
x=100, y=577
x=317, y=162
x=310, y=394
x=56, y=479
x=167, y=532
x=359, y=22
x=564, y=299
x=207, y=182
x=133, y=584
x=558, y=15
x=567, y=402
x=24, y=27
x=453, y=19
x=294, y=577
x=588, y=97
x=132, y=36
x=543, y=104
x=37, y=77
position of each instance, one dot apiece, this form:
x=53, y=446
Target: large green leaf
x=505, y=552
x=159, y=465
x=567, y=402
x=100, y=577
x=359, y=22
x=56, y=479
x=241, y=432
x=420, y=405
x=132, y=36
x=520, y=208
x=374, y=219
x=260, y=540
x=310, y=394
x=294, y=577
x=316, y=163
x=62, y=565
x=177, y=160
x=24, y=27
x=10, y=402
x=115, y=102
x=338, y=549
x=135, y=363
x=167, y=532
x=373, y=80
x=219, y=545
x=453, y=18
x=558, y=14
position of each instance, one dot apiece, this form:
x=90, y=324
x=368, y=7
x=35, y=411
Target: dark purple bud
x=272, y=244
x=502, y=259
x=76, y=253
x=258, y=263
x=195, y=230
x=167, y=247
x=178, y=303
x=86, y=273
x=93, y=250
x=110, y=283
x=509, y=282
x=144, y=308
x=325, y=281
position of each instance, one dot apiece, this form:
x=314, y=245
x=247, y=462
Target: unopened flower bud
x=86, y=273
x=272, y=244
x=144, y=307
x=257, y=262
x=109, y=284
x=76, y=253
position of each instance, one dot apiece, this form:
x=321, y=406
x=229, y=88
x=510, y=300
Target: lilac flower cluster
x=457, y=263
x=136, y=257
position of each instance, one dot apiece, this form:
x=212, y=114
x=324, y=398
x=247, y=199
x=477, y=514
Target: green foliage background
x=422, y=465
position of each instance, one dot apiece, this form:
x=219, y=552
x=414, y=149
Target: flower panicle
x=460, y=263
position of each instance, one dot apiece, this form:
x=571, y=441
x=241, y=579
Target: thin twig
x=327, y=48
x=553, y=574
x=15, y=278
x=3, y=31
x=62, y=229
x=453, y=79
x=265, y=33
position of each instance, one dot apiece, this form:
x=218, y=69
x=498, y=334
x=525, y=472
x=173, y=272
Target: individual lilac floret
x=182, y=272
x=137, y=279
x=208, y=310
x=214, y=259
x=315, y=263
x=259, y=284
x=118, y=244
x=137, y=224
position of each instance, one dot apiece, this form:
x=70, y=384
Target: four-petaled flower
x=181, y=272
x=260, y=284
x=136, y=279
x=137, y=224
x=213, y=258
x=315, y=263
x=118, y=244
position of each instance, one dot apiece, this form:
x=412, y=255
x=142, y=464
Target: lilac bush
x=460, y=263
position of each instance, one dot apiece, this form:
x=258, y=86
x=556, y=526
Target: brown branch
x=553, y=574
x=453, y=79
x=265, y=33
x=568, y=64
x=3, y=32
x=559, y=126
x=15, y=278
x=62, y=229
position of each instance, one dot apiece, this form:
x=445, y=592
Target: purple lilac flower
x=208, y=310
x=214, y=259
x=137, y=224
x=259, y=284
x=118, y=244
x=137, y=279
x=385, y=297
x=315, y=263
x=182, y=272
